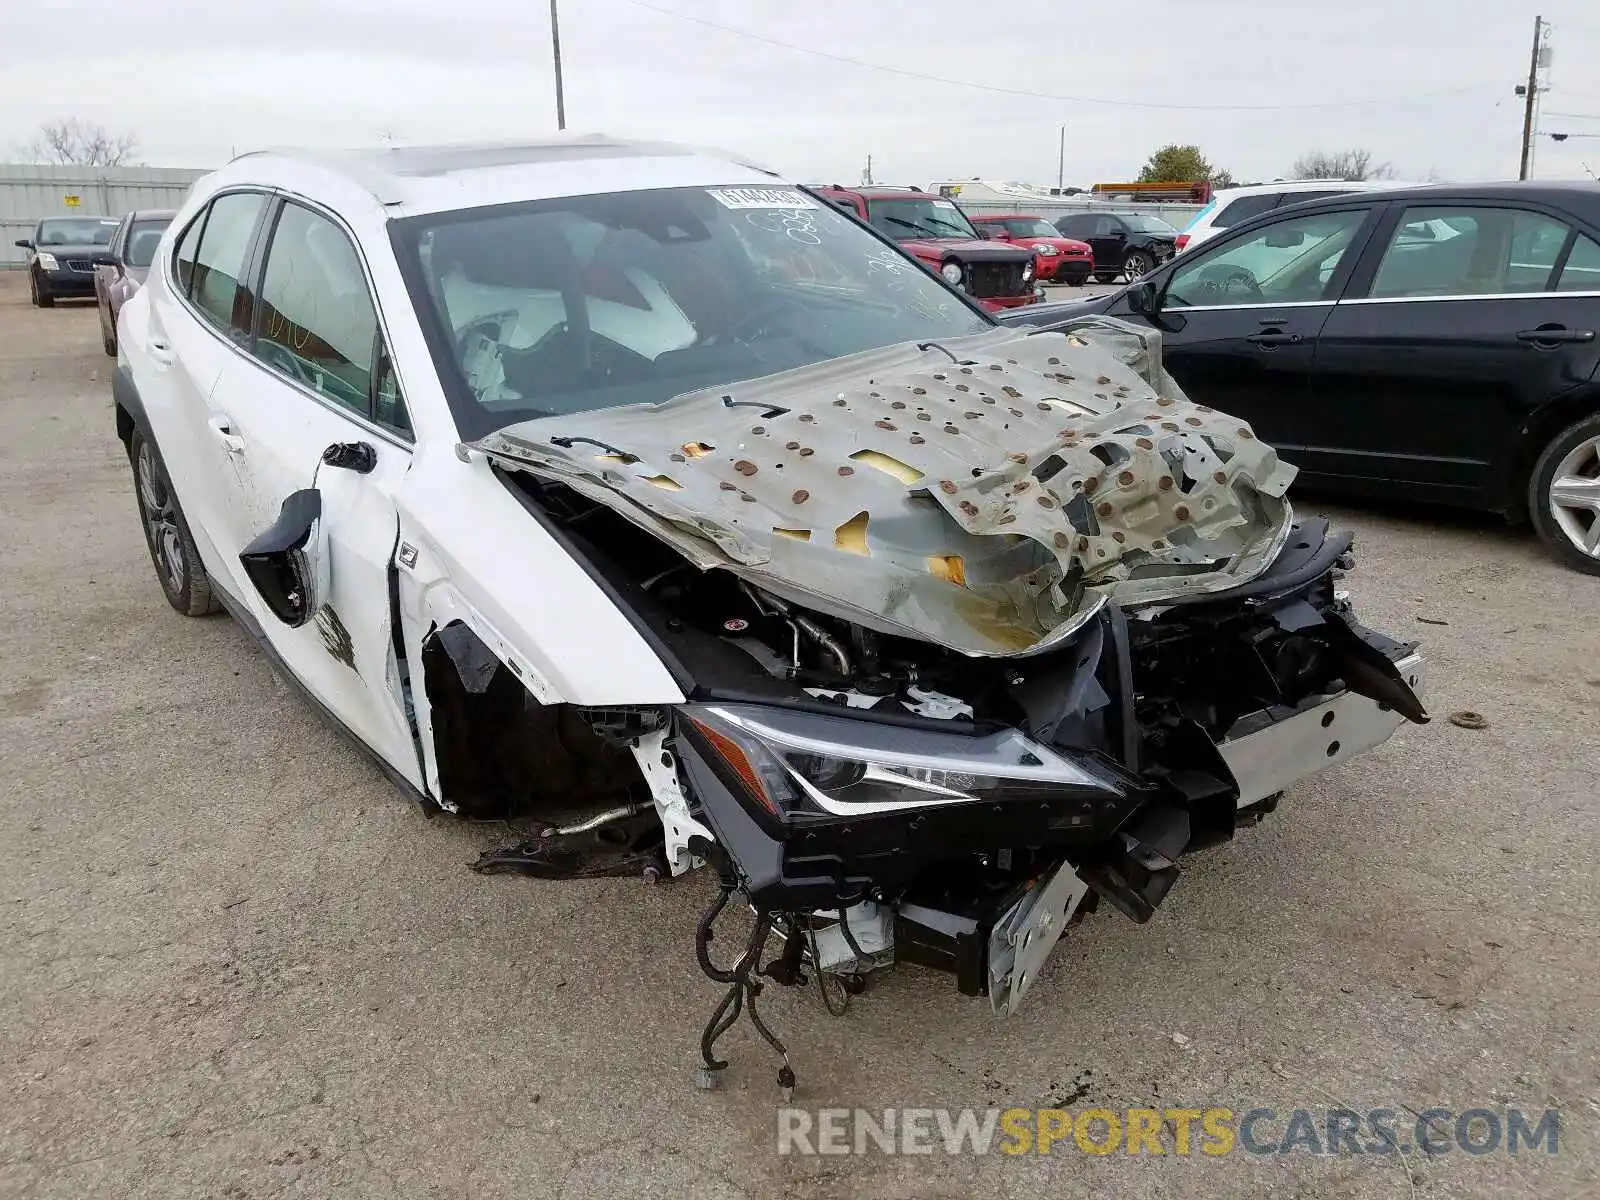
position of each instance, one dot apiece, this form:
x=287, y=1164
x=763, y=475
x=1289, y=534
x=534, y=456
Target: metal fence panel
x=28, y=192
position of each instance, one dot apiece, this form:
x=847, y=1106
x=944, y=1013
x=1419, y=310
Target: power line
x=1575, y=116
x=1007, y=91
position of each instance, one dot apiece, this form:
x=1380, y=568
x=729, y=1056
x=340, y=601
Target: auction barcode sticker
x=751, y=197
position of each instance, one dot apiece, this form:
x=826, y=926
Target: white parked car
x=642, y=493
x=1232, y=206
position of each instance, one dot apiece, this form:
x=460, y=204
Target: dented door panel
x=479, y=556
x=345, y=653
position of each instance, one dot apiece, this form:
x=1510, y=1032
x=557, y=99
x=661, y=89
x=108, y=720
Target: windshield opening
x=588, y=302
x=76, y=231
x=143, y=239
x=1031, y=227
x=919, y=217
x=1145, y=223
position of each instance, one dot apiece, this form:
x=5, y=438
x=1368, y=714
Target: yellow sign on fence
x=73, y=201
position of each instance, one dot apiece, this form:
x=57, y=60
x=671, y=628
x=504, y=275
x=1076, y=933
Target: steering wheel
x=286, y=361
x=752, y=320
x=1222, y=278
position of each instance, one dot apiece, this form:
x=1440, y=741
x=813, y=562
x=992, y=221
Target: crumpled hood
x=987, y=493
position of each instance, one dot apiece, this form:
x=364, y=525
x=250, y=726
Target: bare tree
x=72, y=142
x=1340, y=164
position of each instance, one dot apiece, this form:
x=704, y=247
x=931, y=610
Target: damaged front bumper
x=971, y=850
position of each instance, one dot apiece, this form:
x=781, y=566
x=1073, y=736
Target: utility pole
x=1528, y=99
x=1061, y=162
x=555, y=47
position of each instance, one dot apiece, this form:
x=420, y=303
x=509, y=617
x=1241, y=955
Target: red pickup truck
x=939, y=235
x=1061, y=259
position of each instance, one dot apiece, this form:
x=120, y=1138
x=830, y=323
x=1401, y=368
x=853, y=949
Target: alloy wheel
x=1135, y=265
x=161, y=522
x=1574, y=496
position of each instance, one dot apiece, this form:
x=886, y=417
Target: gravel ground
x=236, y=964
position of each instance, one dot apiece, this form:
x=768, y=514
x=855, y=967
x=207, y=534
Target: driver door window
x=317, y=323
x=1287, y=261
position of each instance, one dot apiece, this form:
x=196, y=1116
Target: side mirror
x=283, y=563
x=25, y=243
x=1144, y=299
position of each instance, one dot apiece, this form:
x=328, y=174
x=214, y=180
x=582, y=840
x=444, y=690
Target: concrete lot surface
x=235, y=963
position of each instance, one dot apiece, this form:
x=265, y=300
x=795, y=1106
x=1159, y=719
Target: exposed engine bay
x=939, y=765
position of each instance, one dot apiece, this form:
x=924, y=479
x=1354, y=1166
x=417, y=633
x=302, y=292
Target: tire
x=1564, y=495
x=1105, y=277
x=179, y=570
x=108, y=343
x=37, y=293
x=1137, y=265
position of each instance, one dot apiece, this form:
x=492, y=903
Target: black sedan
x=61, y=262
x=1128, y=244
x=1436, y=343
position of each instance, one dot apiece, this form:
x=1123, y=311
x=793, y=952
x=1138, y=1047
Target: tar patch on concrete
x=335, y=637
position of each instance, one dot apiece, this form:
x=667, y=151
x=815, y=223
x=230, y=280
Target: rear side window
x=1244, y=208
x=318, y=324
x=183, y=256
x=1074, y=226
x=1462, y=251
x=1582, y=272
x=219, y=290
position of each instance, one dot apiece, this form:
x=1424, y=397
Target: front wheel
x=38, y=293
x=172, y=550
x=1137, y=265
x=1564, y=495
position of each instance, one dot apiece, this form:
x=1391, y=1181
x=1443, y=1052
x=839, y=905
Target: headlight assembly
x=951, y=272
x=796, y=767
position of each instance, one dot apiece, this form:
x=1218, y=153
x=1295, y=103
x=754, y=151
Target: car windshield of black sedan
x=1145, y=223
x=76, y=231
x=916, y=217
x=589, y=302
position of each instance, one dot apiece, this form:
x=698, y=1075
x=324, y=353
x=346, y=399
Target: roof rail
x=375, y=182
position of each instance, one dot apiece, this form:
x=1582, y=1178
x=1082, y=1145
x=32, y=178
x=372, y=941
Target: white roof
x=418, y=179
x=1312, y=185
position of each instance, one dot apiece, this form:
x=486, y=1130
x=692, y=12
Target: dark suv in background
x=62, y=258
x=1131, y=244
x=937, y=233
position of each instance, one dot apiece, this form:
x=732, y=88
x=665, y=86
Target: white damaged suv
x=641, y=492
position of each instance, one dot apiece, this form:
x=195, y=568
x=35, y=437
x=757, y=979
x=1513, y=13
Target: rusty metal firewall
x=987, y=493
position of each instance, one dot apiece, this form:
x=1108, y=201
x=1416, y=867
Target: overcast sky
x=195, y=80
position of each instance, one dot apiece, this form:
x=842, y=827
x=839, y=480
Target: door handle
x=1274, y=337
x=161, y=354
x=221, y=427
x=1555, y=333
